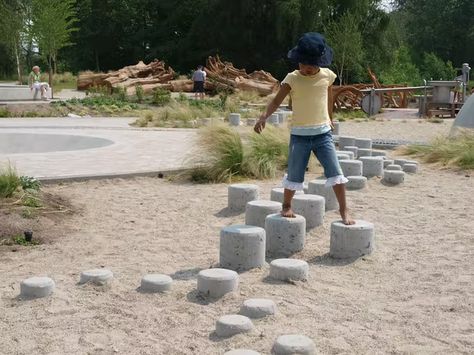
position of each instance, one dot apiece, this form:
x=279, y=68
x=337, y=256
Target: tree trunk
x=50, y=76
x=18, y=66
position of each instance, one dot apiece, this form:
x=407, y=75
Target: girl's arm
x=272, y=107
x=330, y=105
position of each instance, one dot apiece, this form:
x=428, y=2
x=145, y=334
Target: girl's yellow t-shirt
x=309, y=97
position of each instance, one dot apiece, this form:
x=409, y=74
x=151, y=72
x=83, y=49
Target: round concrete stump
x=239, y=194
x=351, y=241
x=351, y=167
x=412, y=162
x=36, y=287
x=251, y=121
x=400, y=162
x=277, y=194
x=289, y=270
x=257, y=211
x=227, y=326
x=372, y=166
x=364, y=152
x=234, y=119
x=345, y=141
x=394, y=177
x=341, y=156
x=156, y=283
x=353, y=149
x=365, y=143
x=387, y=162
x=311, y=207
x=337, y=127
x=217, y=282
x=410, y=168
x=96, y=276
x=347, y=152
x=273, y=119
x=379, y=153
x=258, y=308
x=393, y=167
x=305, y=187
x=293, y=344
x=318, y=187
x=285, y=236
x=241, y=352
x=356, y=182
x=242, y=247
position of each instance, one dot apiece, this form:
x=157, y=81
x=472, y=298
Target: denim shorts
x=300, y=149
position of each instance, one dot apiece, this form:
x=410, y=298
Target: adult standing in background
x=199, y=78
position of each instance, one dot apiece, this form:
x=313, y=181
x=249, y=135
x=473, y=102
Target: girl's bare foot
x=346, y=219
x=287, y=212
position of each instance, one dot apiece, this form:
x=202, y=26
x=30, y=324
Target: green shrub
x=4, y=112
x=29, y=183
x=161, y=97
x=9, y=182
x=139, y=93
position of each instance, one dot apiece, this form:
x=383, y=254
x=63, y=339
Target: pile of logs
x=158, y=75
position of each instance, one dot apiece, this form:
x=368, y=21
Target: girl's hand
x=260, y=125
x=332, y=126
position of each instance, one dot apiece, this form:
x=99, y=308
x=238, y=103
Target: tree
x=52, y=25
x=346, y=40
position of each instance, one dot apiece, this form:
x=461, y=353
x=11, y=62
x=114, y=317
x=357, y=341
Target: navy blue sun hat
x=312, y=49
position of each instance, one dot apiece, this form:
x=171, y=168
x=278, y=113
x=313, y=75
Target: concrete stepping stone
x=273, y=119
x=257, y=211
x=293, y=344
x=351, y=241
x=351, y=167
x=217, y=282
x=393, y=167
x=372, y=166
x=234, y=119
x=345, y=141
x=387, y=162
x=318, y=187
x=305, y=187
x=229, y=325
x=311, y=207
x=379, y=153
x=356, y=182
x=238, y=195
x=400, y=162
x=242, y=247
x=277, y=194
x=410, y=168
x=156, y=283
x=364, y=152
x=412, y=162
x=347, y=152
x=289, y=270
x=258, y=308
x=251, y=121
x=353, y=149
x=341, y=156
x=241, y=352
x=285, y=236
x=96, y=276
x=36, y=287
x=394, y=177
x=337, y=127
x=364, y=143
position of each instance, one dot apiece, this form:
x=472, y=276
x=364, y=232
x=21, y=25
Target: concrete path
x=133, y=151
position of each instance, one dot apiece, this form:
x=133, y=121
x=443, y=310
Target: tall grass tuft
x=9, y=182
x=268, y=152
x=455, y=151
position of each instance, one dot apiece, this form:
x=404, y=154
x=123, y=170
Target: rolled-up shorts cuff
x=291, y=185
x=336, y=180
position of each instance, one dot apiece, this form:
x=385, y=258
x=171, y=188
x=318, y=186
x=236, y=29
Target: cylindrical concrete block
x=318, y=187
x=393, y=176
x=251, y=121
x=273, y=119
x=234, y=119
x=352, y=149
x=311, y=207
x=96, y=276
x=239, y=194
x=281, y=117
x=379, y=153
x=351, y=241
x=347, y=152
x=345, y=141
x=412, y=162
x=289, y=270
x=293, y=344
x=351, y=167
x=343, y=156
x=336, y=125
x=36, y=287
x=277, y=194
x=410, y=168
x=285, y=236
x=156, y=283
x=257, y=211
x=400, y=162
x=258, y=308
x=227, y=326
x=387, y=162
x=242, y=247
x=393, y=167
x=305, y=187
x=217, y=282
x=363, y=143
x=241, y=352
x=372, y=166
x=356, y=182
x=364, y=152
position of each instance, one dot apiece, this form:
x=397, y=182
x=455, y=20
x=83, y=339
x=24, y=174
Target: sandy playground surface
x=414, y=294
